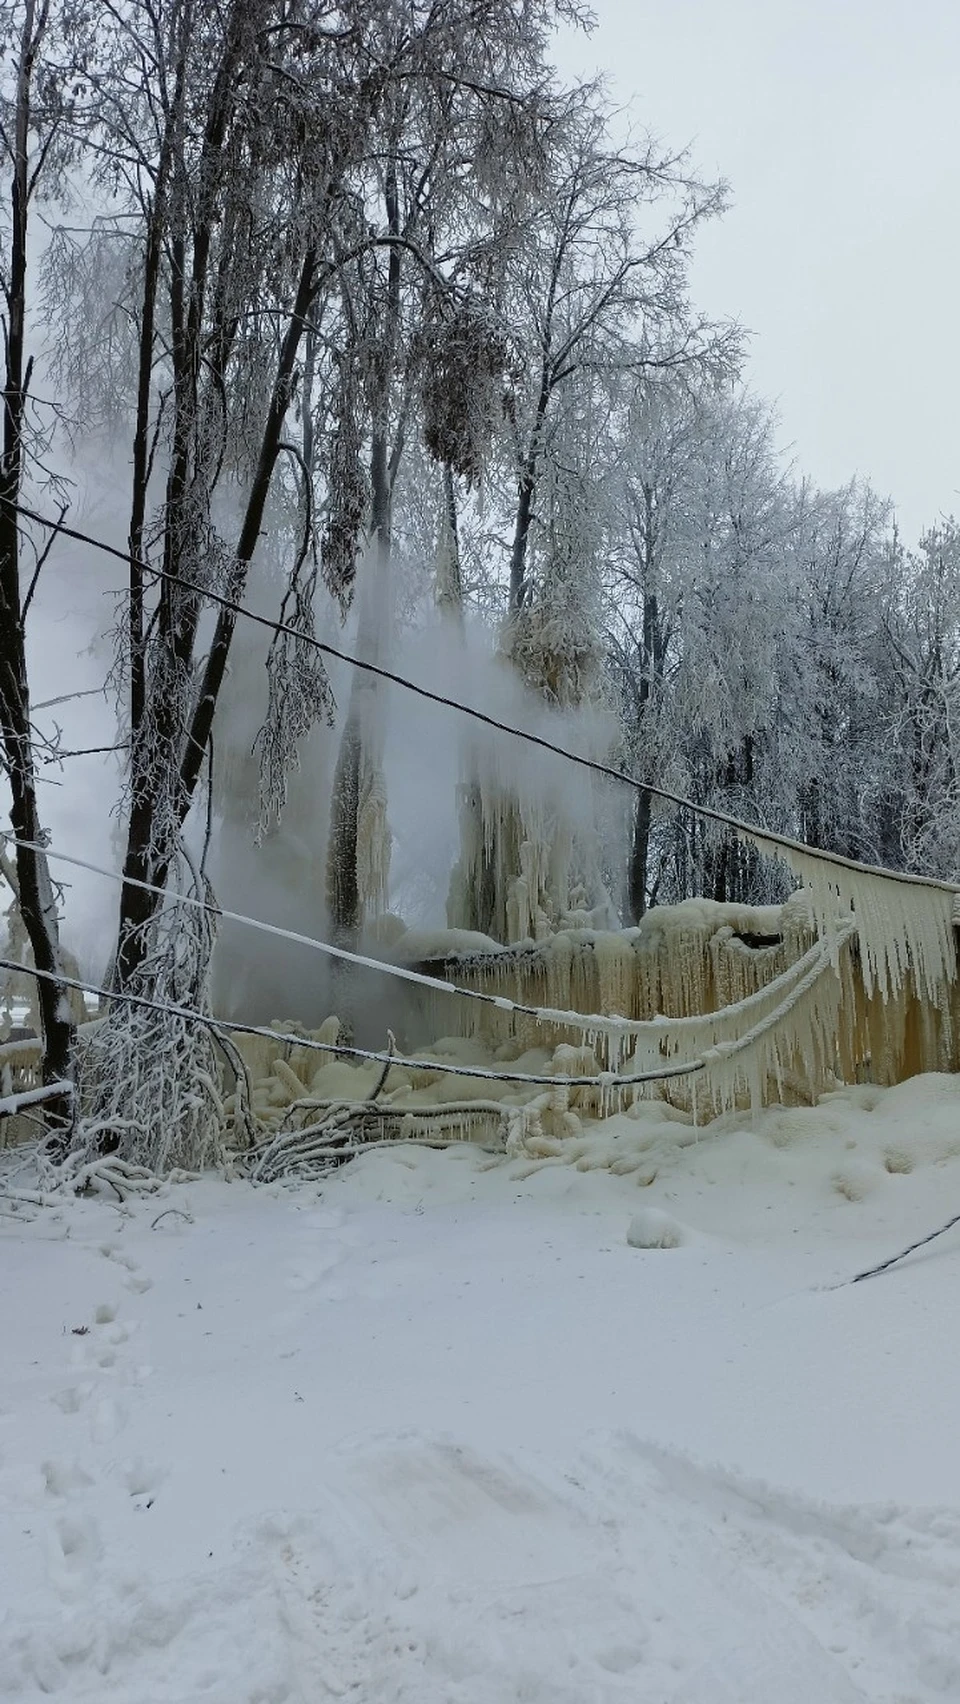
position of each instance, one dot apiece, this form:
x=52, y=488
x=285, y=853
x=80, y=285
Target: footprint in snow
x=108, y=1420
x=78, y=1542
x=117, y=1333
x=72, y=1399
x=141, y=1479
x=62, y=1478
x=113, y=1251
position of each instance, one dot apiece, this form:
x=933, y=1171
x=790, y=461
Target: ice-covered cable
x=10, y=1105
x=717, y=1057
x=603, y=1080
x=653, y=1028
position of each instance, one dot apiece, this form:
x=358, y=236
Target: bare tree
x=38, y=111
x=596, y=295
x=457, y=150
x=659, y=445
x=921, y=631
x=598, y=292
x=229, y=136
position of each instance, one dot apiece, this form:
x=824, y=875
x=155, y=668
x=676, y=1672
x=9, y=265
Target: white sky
x=837, y=125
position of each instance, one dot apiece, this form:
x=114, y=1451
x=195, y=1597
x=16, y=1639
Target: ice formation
x=309, y=1113
x=854, y=977
x=374, y=839
x=701, y=1009
x=905, y=924
x=684, y=988
x=529, y=855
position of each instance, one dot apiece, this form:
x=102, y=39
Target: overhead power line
x=68, y=697
x=590, y=1022
x=602, y=1080
x=436, y=983
x=708, y=812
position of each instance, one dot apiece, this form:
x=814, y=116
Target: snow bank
x=653, y=1229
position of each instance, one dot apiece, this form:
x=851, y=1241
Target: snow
x=436, y=1433
x=653, y=1229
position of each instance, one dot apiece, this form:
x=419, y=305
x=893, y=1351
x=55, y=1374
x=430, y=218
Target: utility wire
x=709, y=812
x=605, y=1080
x=68, y=697
x=583, y=1021
x=894, y=1260
x=381, y=965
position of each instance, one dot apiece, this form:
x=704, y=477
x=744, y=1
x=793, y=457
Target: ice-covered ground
x=439, y=1434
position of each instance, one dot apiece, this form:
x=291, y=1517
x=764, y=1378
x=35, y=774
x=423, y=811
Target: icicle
x=373, y=838
x=615, y=963
x=903, y=923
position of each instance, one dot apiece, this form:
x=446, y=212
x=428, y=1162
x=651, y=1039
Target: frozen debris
x=650, y=1228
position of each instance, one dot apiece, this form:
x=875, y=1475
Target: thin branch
x=41, y=559
x=10, y=1105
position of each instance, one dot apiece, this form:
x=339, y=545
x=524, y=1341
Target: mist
x=429, y=752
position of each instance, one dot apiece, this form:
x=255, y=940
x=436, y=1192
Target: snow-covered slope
x=439, y=1434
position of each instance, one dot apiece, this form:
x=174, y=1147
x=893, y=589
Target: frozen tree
x=598, y=301
x=701, y=628
x=736, y=640
x=921, y=628
x=240, y=158
x=279, y=176
x=601, y=289
x=833, y=705
x=653, y=550
x=44, y=101
x=745, y=644
x=458, y=147
x=228, y=136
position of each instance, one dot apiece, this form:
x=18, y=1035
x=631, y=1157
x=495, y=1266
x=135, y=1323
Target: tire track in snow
x=499, y=1584
x=425, y=1569
x=878, y=1586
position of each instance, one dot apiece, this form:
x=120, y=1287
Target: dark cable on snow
x=884, y=1266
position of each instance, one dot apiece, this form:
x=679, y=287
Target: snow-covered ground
x=439, y=1433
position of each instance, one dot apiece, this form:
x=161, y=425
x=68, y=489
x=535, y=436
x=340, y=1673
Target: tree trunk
x=37, y=907
x=345, y=900
x=151, y=840
x=343, y=892
x=450, y=576
x=639, y=858
x=526, y=487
